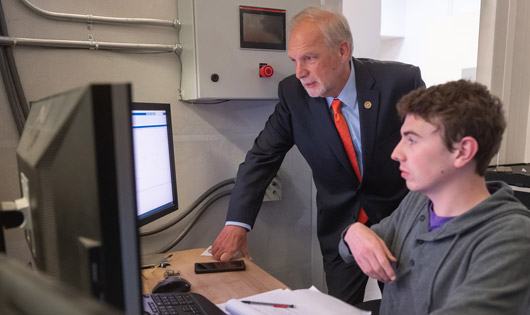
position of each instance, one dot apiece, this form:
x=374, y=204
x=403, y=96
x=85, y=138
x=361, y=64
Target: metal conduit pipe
x=177, y=49
x=87, y=18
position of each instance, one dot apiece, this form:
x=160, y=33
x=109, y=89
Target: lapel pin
x=367, y=104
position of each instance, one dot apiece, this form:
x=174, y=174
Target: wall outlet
x=274, y=191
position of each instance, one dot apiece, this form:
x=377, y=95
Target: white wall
x=451, y=48
x=364, y=17
x=439, y=36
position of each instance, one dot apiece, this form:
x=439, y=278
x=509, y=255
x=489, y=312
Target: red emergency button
x=266, y=71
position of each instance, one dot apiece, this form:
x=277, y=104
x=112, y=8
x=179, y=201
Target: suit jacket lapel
x=320, y=111
x=368, y=100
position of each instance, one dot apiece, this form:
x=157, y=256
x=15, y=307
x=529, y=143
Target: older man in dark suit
x=361, y=184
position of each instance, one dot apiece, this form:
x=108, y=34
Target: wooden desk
x=217, y=287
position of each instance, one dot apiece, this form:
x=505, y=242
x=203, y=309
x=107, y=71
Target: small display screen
x=262, y=28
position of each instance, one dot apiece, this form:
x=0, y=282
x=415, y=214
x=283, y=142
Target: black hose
x=13, y=87
x=201, y=198
x=201, y=210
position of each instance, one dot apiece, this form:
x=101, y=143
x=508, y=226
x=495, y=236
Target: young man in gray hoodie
x=456, y=244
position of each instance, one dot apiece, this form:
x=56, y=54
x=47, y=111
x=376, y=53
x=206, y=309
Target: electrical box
x=235, y=49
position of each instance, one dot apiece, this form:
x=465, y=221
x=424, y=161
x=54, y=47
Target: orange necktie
x=344, y=132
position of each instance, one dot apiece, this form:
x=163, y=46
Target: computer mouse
x=172, y=284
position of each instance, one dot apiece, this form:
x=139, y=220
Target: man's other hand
x=370, y=252
x=233, y=238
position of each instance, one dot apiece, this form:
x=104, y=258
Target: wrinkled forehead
x=305, y=33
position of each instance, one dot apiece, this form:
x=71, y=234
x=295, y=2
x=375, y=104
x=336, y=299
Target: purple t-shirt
x=436, y=221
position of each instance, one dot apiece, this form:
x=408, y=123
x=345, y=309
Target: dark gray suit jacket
x=306, y=122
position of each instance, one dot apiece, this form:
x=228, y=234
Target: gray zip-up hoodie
x=477, y=263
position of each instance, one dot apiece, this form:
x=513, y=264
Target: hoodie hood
x=500, y=203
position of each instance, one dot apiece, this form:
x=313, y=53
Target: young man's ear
x=465, y=151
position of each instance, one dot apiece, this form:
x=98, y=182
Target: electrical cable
x=11, y=96
x=190, y=208
x=13, y=87
x=88, y=18
x=190, y=101
x=201, y=210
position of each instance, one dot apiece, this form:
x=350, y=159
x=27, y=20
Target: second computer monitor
x=156, y=185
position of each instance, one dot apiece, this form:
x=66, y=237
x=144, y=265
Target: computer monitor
x=156, y=185
x=76, y=165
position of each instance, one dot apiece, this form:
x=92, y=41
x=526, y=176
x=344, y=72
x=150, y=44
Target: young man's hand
x=370, y=252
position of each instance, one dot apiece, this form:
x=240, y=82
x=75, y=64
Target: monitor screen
x=76, y=166
x=156, y=189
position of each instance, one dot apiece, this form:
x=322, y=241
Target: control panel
x=235, y=50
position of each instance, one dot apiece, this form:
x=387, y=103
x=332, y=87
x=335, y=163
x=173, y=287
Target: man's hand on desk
x=232, y=239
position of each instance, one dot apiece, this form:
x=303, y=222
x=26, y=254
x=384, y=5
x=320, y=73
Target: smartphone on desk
x=219, y=266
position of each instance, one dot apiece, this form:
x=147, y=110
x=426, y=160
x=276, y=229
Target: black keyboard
x=179, y=304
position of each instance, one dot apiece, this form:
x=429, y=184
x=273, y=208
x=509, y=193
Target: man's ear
x=465, y=151
x=345, y=50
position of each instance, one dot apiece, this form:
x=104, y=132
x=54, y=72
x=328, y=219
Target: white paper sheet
x=306, y=302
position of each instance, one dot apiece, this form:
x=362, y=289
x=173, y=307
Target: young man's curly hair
x=460, y=109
